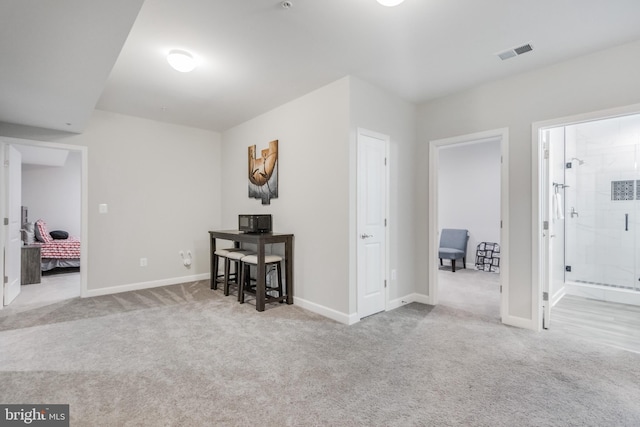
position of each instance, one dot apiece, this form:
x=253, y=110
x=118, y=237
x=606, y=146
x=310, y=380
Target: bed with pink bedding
x=56, y=253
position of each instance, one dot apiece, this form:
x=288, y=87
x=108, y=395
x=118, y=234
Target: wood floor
x=612, y=324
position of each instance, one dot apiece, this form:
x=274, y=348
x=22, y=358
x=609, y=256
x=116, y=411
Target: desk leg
x=214, y=273
x=288, y=277
x=260, y=278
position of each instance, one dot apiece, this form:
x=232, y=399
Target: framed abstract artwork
x=263, y=173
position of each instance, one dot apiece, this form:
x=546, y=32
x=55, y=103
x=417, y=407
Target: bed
x=56, y=252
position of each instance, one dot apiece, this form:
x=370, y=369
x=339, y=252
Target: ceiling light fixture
x=181, y=60
x=390, y=3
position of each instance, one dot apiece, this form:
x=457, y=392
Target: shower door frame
x=593, y=234
x=541, y=263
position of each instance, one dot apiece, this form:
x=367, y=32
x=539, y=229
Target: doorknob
x=366, y=236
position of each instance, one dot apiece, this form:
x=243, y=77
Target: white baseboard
x=555, y=298
x=399, y=302
x=350, y=319
x=603, y=293
x=519, y=322
x=347, y=319
x=146, y=285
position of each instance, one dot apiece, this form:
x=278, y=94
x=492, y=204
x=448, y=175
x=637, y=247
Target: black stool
x=245, y=279
x=233, y=257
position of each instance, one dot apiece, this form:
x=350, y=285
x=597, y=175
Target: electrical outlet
x=393, y=274
x=143, y=262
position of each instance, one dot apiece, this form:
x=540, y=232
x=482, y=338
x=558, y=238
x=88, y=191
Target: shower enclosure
x=602, y=209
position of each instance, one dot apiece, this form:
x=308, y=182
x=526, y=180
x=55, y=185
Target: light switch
x=103, y=208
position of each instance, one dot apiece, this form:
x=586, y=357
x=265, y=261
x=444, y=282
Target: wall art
x=263, y=173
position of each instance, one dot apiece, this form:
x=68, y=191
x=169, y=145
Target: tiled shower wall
x=602, y=239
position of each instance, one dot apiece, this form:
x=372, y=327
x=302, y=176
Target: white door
x=13, y=247
x=372, y=196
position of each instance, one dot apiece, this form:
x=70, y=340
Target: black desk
x=260, y=240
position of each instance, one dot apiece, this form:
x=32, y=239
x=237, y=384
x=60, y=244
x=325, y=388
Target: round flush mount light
x=181, y=60
x=390, y=3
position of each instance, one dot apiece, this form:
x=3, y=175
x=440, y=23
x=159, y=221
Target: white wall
x=598, y=81
x=162, y=186
x=313, y=200
x=52, y=193
x=469, y=191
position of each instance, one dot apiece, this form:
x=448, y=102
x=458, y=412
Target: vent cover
x=510, y=53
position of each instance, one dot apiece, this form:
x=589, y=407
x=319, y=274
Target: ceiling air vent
x=515, y=51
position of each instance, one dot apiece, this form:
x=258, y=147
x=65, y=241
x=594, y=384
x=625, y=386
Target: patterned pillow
x=42, y=235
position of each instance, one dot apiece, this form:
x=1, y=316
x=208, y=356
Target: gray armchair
x=453, y=246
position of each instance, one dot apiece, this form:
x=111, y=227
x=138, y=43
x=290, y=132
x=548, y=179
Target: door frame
x=387, y=141
x=540, y=245
x=12, y=280
x=501, y=134
x=84, y=196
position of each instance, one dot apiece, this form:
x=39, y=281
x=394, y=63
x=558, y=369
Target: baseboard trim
x=407, y=299
x=347, y=319
x=558, y=296
x=519, y=322
x=146, y=285
x=603, y=293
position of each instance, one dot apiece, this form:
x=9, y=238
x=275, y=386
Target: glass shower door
x=601, y=207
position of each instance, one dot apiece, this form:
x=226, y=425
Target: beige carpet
x=187, y=356
x=470, y=290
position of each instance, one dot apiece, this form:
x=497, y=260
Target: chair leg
x=227, y=267
x=453, y=265
x=441, y=262
x=464, y=262
x=214, y=273
x=244, y=274
x=279, y=274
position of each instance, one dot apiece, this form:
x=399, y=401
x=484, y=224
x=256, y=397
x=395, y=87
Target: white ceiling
x=55, y=57
x=255, y=55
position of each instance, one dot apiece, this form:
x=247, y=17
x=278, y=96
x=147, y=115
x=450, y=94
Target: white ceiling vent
x=515, y=51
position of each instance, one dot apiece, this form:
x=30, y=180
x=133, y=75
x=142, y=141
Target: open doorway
x=468, y=191
x=52, y=189
x=589, y=205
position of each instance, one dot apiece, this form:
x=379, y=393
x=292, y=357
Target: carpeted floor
x=186, y=356
x=470, y=290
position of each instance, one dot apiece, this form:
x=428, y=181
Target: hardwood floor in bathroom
x=611, y=324
x=608, y=323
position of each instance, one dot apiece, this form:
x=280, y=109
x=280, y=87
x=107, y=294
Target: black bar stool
x=245, y=279
x=233, y=257
x=220, y=278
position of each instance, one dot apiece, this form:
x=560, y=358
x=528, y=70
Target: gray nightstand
x=30, y=264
